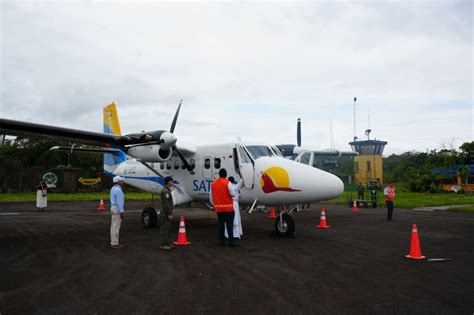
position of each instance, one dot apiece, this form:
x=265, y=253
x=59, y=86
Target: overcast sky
x=245, y=69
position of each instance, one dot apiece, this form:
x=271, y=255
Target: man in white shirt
x=117, y=209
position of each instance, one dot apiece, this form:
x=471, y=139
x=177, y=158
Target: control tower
x=368, y=164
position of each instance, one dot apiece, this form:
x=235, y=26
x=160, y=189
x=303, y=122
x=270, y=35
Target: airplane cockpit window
x=243, y=155
x=305, y=158
x=207, y=163
x=276, y=151
x=217, y=163
x=258, y=151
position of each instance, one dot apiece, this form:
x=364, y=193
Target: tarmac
x=60, y=262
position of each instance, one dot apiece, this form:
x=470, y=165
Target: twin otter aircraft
x=144, y=159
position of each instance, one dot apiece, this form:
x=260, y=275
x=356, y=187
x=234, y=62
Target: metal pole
x=355, y=99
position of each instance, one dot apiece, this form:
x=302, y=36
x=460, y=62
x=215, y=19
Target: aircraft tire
x=286, y=227
x=149, y=217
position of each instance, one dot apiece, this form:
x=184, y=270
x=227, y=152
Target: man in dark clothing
x=166, y=214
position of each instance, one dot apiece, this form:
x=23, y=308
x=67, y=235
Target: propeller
x=174, y=147
x=298, y=132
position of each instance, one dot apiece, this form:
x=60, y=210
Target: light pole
x=355, y=99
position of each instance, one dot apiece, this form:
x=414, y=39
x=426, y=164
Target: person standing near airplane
x=166, y=214
x=220, y=196
x=41, y=195
x=117, y=203
x=235, y=193
x=389, y=196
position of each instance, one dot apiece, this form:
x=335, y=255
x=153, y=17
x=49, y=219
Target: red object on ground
x=101, y=205
x=182, y=240
x=354, y=207
x=415, y=250
x=322, y=221
x=272, y=214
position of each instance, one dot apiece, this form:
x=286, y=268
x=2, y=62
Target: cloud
x=244, y=70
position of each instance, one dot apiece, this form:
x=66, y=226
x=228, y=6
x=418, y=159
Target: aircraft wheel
x=149, y=217
x=285, y=225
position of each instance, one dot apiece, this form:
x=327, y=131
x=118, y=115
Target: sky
x=245, y=70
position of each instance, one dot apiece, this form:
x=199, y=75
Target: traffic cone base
x=272, y=214
x=322, y=221
x=182, y=240
x=421, y=257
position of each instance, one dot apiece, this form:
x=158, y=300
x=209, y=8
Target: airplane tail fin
x=112, y=126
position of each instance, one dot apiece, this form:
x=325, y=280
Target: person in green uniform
x=166, y=214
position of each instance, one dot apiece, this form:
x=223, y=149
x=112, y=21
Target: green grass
x=402, y=199
x=31, y=197
x=415, y=200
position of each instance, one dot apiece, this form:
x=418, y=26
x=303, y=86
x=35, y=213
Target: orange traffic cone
x=322, y=221
x=101, y=205
x=182, y=234
x=415, y=250
x=272, y=214
x=354, y=206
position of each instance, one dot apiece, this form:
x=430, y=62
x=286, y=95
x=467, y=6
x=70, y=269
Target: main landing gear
x=285, y=224
x=149, y=217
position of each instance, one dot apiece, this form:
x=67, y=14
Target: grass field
x=402, y=199
x=414, y=200
x=31, y=197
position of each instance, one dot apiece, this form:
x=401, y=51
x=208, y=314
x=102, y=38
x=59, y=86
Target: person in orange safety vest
x=389, y=196
x=221, y=198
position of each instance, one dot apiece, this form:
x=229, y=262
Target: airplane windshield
x=258, y=151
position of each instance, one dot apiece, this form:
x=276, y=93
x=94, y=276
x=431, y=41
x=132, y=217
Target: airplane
x=307, y=155
x=144, y=159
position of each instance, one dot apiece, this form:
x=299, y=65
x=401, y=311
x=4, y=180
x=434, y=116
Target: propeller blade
x=186, y=164
x=298, y=132
x=173, y=124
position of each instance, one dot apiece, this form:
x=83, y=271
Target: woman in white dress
x=41, y=196
x=237, y=227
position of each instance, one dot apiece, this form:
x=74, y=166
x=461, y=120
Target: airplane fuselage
x=270, y=179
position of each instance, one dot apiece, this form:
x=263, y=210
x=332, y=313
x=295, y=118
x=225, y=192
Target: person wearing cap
x=117, y=209
x=166, y=214
x=221, y=198
x=389, y=196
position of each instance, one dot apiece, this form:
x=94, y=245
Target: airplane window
x=258, y=151
x=207, y=163
x=183, y=166
x=192, y=163
x=276, y=151
x=305, y=158
x=217, y=163
x=162, y=166
x=176, y=164
x=315, y=162
x=168, y=165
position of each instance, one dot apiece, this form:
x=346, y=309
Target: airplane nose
x=330, y=186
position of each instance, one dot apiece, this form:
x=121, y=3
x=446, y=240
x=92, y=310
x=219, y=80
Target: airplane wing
x=333, y=152
x=20, y=128
x=186, y=150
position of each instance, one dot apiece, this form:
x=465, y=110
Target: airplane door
x=245, y=166
x=207, y=167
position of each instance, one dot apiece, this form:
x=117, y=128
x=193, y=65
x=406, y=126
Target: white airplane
x=145, y=158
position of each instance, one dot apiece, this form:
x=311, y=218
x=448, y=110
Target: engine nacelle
x=150, y=153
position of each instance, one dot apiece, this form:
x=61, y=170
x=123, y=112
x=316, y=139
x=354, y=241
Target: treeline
x=413, y=170
x=23, y=153
x=410, y=170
